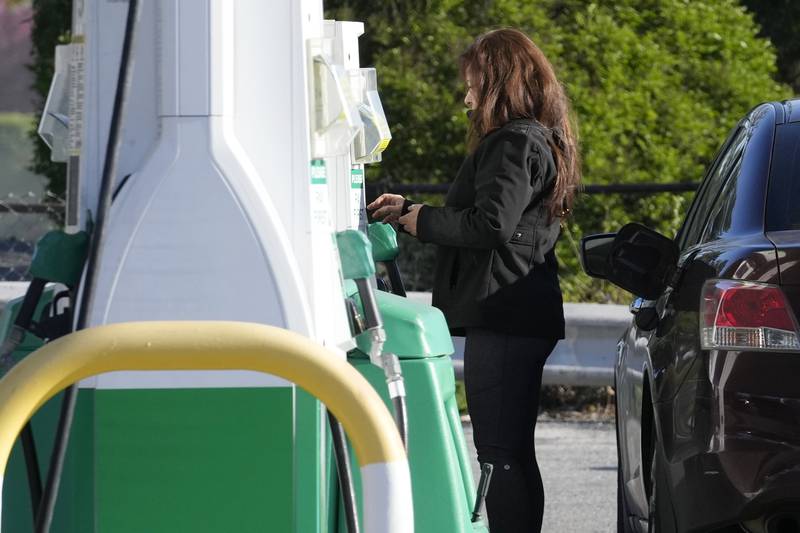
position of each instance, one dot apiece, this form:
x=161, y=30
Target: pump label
x=358, y=211
x=356, y=178
x=320, y=206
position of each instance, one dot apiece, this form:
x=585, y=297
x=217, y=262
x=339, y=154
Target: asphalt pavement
x=578, y=461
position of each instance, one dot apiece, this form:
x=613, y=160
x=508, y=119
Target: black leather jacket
x=496, y=267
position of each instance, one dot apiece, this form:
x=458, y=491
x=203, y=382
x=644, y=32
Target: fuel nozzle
x=372, y=317
x=355, y=252
x=58, y=258
x=385, y=250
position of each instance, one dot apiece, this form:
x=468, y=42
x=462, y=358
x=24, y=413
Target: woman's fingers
x=412, y=214
x=386, y=211
x=409, y=220
x=375, y=203
x=386, y=200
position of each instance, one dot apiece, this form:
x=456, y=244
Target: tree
x=655, y=86
x=780, y=21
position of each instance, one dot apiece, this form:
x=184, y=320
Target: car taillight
x=742, y=315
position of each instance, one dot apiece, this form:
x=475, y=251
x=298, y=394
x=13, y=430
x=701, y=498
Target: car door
x=637, y=373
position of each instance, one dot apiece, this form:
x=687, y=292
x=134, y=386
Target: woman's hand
x=387, y=208
x=409, y=220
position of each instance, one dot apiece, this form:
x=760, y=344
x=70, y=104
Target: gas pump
x=221, y=212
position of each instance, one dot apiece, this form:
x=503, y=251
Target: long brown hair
x=512, y=78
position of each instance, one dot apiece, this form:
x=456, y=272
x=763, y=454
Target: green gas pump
x=417, y=334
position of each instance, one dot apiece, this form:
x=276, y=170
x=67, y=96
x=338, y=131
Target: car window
x=783, y=207
x=721, y=214
x=709, y=190
x=680, y=237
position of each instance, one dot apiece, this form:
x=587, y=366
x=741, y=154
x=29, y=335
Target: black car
x=708, y=373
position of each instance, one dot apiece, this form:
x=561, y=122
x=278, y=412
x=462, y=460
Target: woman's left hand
x=409, y=220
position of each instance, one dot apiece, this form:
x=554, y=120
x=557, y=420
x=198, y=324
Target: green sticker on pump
x=358, y=212
x=318, y=175
x=320, y=214
x=356, y=178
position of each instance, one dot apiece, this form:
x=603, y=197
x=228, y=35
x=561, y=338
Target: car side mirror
x=595, y=250
x=637, y=259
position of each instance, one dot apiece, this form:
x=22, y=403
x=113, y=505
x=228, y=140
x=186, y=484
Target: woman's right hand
x=387, y=208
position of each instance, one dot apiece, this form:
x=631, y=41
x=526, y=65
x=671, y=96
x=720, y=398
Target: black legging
x=503, y=379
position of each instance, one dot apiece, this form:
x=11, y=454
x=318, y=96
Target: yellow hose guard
x=201, y=346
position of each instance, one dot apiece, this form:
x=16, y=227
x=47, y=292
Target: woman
x=496, y=274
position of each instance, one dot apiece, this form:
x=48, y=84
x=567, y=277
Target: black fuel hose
x=395, y=279
x=344, y=475
x=44, y=517
x=401, y=418
x=32, y=467
x=29, y=302
x=22, y=323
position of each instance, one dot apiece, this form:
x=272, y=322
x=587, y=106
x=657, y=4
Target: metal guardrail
x=29, y=208
x=585, y=356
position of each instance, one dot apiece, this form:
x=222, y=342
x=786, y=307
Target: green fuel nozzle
x=385, y=250
x=356, y=255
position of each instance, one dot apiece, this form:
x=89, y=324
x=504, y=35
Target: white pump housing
x=222, y=209
x=360, y=87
